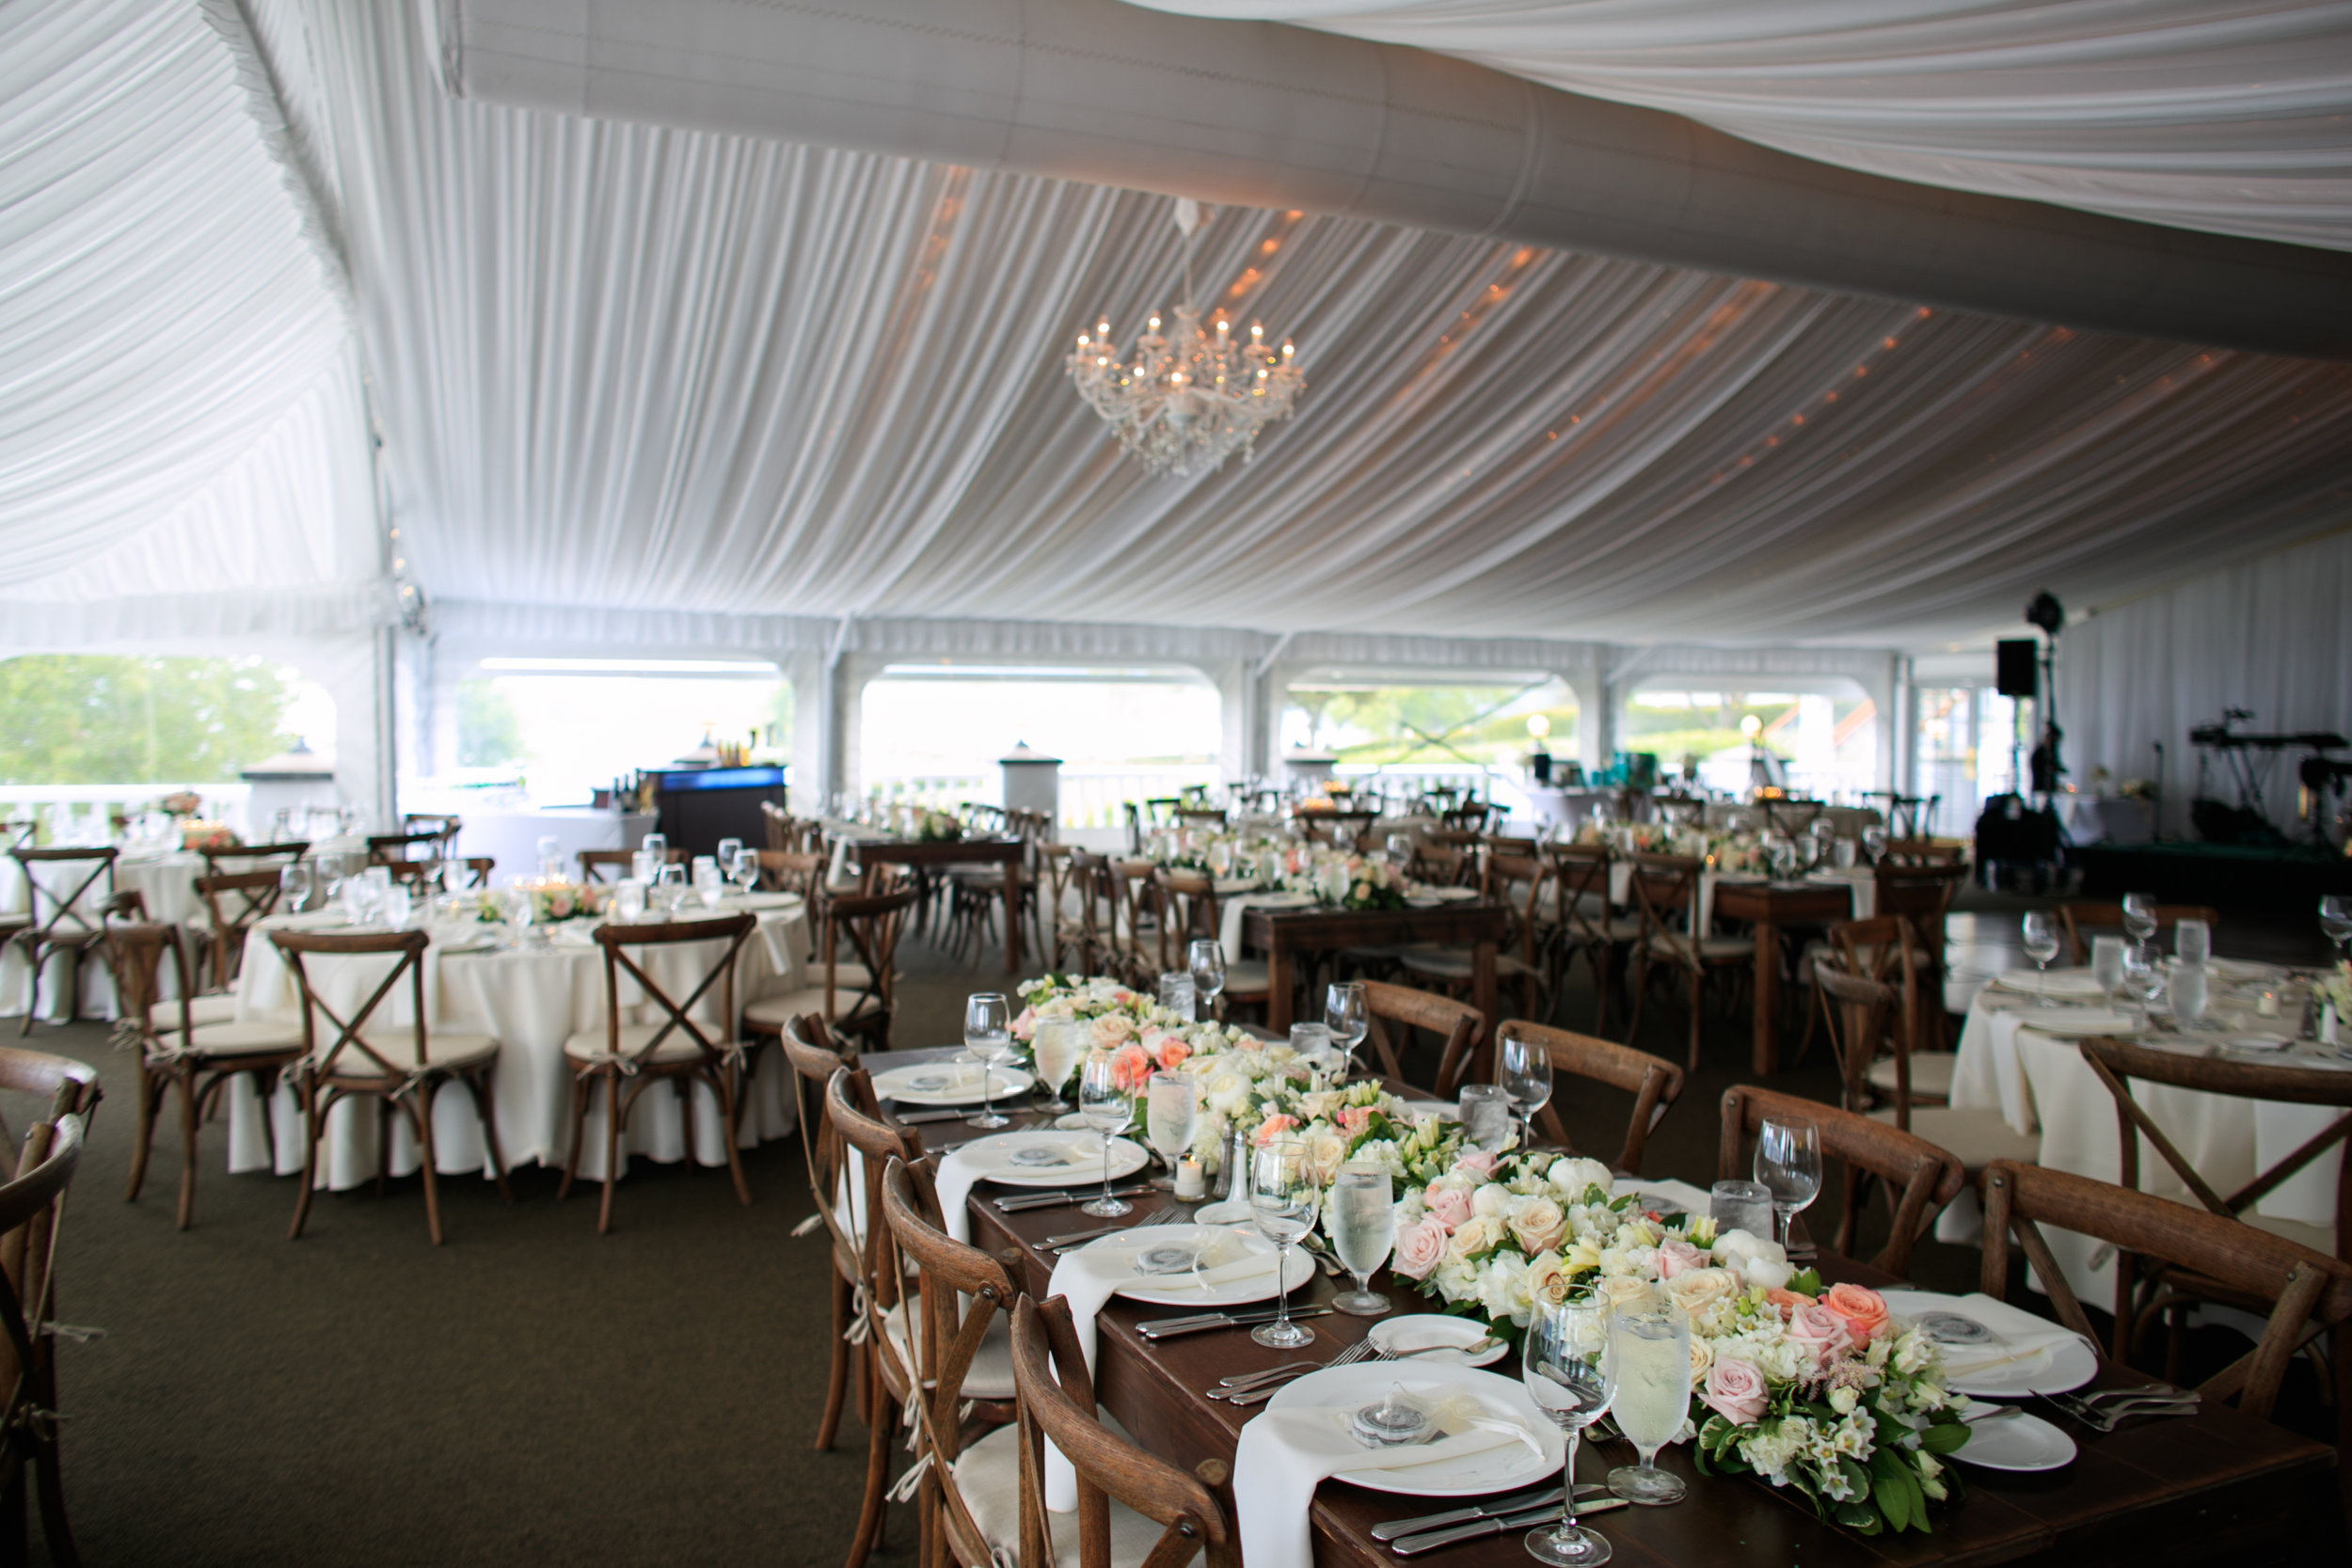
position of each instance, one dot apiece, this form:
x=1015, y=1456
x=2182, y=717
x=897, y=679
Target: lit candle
x=1191, y=1182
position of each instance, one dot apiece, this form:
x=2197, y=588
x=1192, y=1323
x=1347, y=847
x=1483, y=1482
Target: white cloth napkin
x=2019, y=1337
x=1229, y=920
x=1284, y=1454
x=958, y=1172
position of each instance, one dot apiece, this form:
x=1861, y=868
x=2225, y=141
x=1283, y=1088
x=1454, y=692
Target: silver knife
x=1413, y=1546
x=1164, y=1331
x=1542, y=1496
x=1076, y=1236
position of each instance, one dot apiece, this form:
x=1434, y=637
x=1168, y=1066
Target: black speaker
x=2013, y=666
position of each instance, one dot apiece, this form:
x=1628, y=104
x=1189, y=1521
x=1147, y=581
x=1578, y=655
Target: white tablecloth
x=167, y=883
x=2040, y=1086
x=1864, y=891
x=532, y=1000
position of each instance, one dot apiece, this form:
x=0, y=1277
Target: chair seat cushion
x=1457, y=964
x=775, y=1011
x=990, y=1376
x=1977, y=1137
x=203, y=1010
x=1681, y=949
x=1930, y=1074
x=1246, y=979
x=444, y=1048
x=988, y=1478
x=260, y=1037
x=680, y=1046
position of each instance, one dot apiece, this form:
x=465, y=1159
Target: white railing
x=84, y=813
x=1098, y=797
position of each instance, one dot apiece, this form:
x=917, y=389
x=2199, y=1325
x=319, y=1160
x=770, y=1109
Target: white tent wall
x=2272, y=635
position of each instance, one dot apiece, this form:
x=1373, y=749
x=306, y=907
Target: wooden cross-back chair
x=32, y=1213
x=383, y=848
x=1865, y=1018
x=62, y=923
x=1056, y=928
x=1137, y=937
x=1886, y=949
x=2302, y=1292
x=891, y=1380
x=1199, y=817
x=1461, y=1027
x=776, y=825
x=1665, y=892
x=1517, y=882
x=1248, y=983
x=252, y=857
x=814, y=1058
x=681, y=1048
x=234, y=900
x=1921, y=1178
x=440, y=824
x=1134, y=1507
x=960, y=1344
x=195, y=1056
x=1911, y=850
x=1790, y=818
x=400, y=1066
x=2085, y=919
x=1584, y=926
x=1654, y=1083
x=855, y=988
x=2143, y=1294
x=1471, y=816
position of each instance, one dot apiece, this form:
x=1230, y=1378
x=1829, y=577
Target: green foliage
x=104, y=719
x=1429, y=724
x=489, y=732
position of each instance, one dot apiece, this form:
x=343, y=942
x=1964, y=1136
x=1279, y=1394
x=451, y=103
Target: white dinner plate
x=1444, y=895
x=758, y=901
x=2019, y=1442
x=949, y=1083
x=1424, y=1331
x=2077, y=982
x=1170, y=1244
x=2078, y=1024
x=1471, y=1475
x=2064, y=1366
x=1024, y=1159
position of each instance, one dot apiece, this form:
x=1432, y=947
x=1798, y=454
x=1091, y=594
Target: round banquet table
x=165, y=883
x=530, y=999
x=2041, y=1087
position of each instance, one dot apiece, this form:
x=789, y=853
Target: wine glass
x=1102, y=1105
x=1169, y=1115
x=295, y=886
x=1525, y=1071
x=2335, y=920
x=1053, y=1048
x=744, y=870
x=1360, y=1217
x=1282, y=1199
x=1400, y=853
x=2041, y=945
x=1566, y=1363
x=2143, y=975
x=1652, y=1349
x=1347, y=1013
x=1788, y=1163
x=669, y=889
x=1205, y=958
x=2140, y=916
x=1874, y=844
x=988, y=1039
x=727, y=852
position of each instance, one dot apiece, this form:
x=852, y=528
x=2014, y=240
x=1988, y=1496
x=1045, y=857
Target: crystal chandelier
x=1186, y=400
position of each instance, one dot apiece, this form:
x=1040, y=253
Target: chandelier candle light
x=1186, y=401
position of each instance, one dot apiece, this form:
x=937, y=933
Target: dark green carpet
x=529, y=1392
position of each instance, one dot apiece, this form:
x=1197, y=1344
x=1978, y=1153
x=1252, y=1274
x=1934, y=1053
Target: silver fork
x=1169, y=1215
x=1257, y=1393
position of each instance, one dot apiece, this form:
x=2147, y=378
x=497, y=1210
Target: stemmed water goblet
x=2140, y=916
x=745, y=871
x=1360, y=1217
x=1283, y=1199
x=2040, y=932
x=2335, y=920
x=1788, y=1163
x=1347, y=1013
x=988, y=1039
x=295, y=887
x=2143, y=975
x=1054, y=1049
x=1566, y=1363
x=1205, y=958
x=1169, y=1113
x=1102, y=1105
x=1651, y=1344
x=1524, y=1066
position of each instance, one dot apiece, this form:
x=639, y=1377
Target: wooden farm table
x=1287, y=933
x=2215, y=1487
x=1770, y=906
x=1008, y=852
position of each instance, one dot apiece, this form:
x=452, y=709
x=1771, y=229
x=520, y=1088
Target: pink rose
x=1788, y=1301
x=1356, y=1118
x=1420, y=1248
x=1863, y=1311
x=1735, y=1391
x=1451, y=1208
x=1478, y=1162
x=1676, y=1257
x=1820, y=1332
x=1171, y=1053
x=1131, y=1068
x=1274, y=1127
x=1025, y=1025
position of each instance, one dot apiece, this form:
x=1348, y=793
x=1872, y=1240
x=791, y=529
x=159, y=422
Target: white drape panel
x=161, y=317
x=625, y=366
x=2270, y=635
x=2205, y=114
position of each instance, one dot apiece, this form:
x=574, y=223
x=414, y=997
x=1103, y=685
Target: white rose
x=1696, y=1290
x=1842, y=1400
x=1503, y=1289
x=1491, y=1200
x=1572, y=1175
x=1477, y=1233
x=1326, y=1151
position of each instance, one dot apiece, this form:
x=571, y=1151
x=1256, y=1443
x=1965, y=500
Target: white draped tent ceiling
x=625, y=366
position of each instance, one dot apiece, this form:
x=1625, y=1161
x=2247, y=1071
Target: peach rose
x=1735, y=1391
x=1864, y=1311
x=1356, y=1118
x=1452, y=1206
x=1820, y=1332
x=1696, y=1290
x=1420, y=1248
x=1172, y=1053
x=1537, y=1225
x=1676, y=1257
x=1788, y=1301
x=1113, y=1030
x=1131, y=1068
x=1273, y=1127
